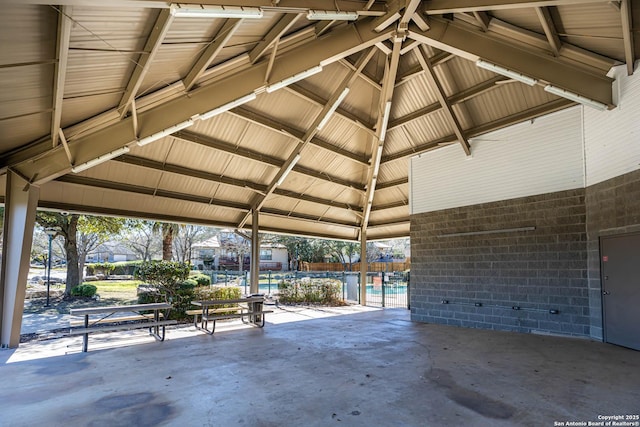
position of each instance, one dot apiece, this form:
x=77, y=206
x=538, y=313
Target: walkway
x=368, y=368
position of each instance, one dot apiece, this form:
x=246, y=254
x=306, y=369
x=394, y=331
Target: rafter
x=299, y=135
x=219, y=41
x=149, y=191
x=413, y=72
x=384, y=108
x=263, y=158
x=627, y=35
x=440, y=7
x=442, y=99
x=52, y=163
x=453, y=100
x=222, y=179
x=544, y=16
x=327, y=110
x=277, y=31
x=376, y=9
x=483, y=19
x=60, y=72
x=142, y=65
x=343, y=113
x=529, y=114
x=461, y=40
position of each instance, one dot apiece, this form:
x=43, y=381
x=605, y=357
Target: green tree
x=69, y=227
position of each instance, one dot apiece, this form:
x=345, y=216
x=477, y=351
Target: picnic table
x=108, y=319
x=250, y=310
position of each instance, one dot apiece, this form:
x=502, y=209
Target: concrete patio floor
x=350, y=367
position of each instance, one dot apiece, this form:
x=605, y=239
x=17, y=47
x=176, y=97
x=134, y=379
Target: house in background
x=111, y=252
x=274, y=257
x=206, y=255
x=212, y=254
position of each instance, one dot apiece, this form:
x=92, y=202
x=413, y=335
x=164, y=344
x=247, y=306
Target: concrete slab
x=369, y=368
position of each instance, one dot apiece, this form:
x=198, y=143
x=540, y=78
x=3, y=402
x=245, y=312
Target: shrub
x=201, y=279
x=167, y=281
x=84, y=291
x=316, y=291
x=217, y=292
x=121, y=268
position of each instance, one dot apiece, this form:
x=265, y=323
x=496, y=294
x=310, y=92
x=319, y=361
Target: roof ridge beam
x=471, y=44
x=328, y=49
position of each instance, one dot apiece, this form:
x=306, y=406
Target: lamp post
x=51, y=232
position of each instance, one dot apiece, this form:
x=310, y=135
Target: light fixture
x=226, y=107
x=166, y=132
x=333, y=108
x=105, y=157
x=200, y=11
x=385, y=121
x=575, y=97
x=288, y=169
x=331, y=15
x=506, y=72
x=294, y=78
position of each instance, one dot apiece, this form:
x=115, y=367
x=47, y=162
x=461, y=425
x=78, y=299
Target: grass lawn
x=122, y=290
x=112, y=292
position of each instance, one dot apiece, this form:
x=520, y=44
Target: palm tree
x=168, y=231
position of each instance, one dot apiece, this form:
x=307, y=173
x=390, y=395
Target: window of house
x=265, y=255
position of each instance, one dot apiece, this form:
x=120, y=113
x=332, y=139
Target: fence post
x=226, y=283
x=359, y=288
x=383, y=285
x=343, y=285
x=408, y=292
x=269, y=282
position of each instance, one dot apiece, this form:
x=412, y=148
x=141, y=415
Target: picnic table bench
x=105, y=319
x=249, y=310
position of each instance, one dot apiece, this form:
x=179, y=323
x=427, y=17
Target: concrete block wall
x=613, y=207
x=537, y=270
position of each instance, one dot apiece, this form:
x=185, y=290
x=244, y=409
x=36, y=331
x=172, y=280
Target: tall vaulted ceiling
x=327, y=154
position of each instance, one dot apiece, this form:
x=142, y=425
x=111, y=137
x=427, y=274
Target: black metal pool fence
x=384, y=289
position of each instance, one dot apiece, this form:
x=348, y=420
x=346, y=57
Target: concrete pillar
x=255, y=253
x=363, y=267
x=21, y=200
